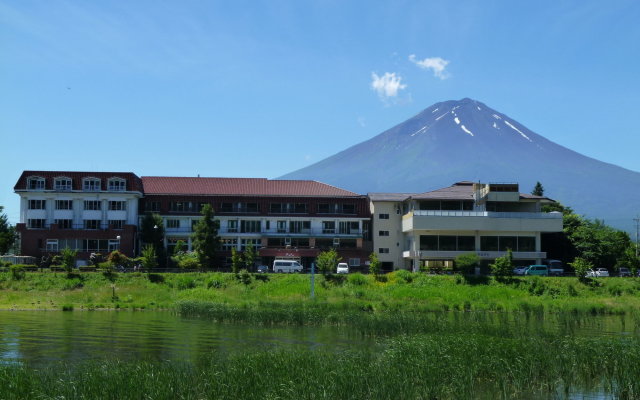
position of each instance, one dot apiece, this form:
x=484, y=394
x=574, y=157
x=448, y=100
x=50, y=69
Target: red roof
x=133, y=181
x=239, y=187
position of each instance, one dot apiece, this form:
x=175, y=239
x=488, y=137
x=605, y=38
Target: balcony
x=488, y=255
x=330, y=233
x=482, y=221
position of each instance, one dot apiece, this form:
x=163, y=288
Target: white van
x=286, y=266
x=343, y=268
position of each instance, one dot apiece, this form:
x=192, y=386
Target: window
x=228, y=244
x=349, y=228
x=324, y=208
x=249, y=226
x=92, y=204
x=114, y=244
x=91, y=224
x=117, y=205
x=173, y=223
x=383, y=250
x=428, y=242
x=466, y=243
x=255, y=243
x=91, y=185
x=226, y=207
x=354, y=262
x=526, y=243
x=383, y=233
x=52, y=245
x=116, y=223
x=447, y=243
x=64, y=204
x=239, y=207
x=152, y=206
x=383, y=216
x=36, y=223
x=232, y=225
x=328, y=227
x=281, y=226
x=62, y=184
x=37, y=204
x=348, y=209
x=299, y=226
x=117, y=185
x=64, y=223
x=35, y=183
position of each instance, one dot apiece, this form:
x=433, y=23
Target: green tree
x=374, y=263
x=467, y=263
x=327, y=261
x=7, y=233
x=117, y=259
x=149, y=259
x=502, y=268
x=581, y=266
x=249, y=257
x=180, y=247
x=538, y=190
x=68, y=259
x=205, y=237
x=236, y=260
x=152, y=233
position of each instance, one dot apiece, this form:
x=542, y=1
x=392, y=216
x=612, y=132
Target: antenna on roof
x=198, y=175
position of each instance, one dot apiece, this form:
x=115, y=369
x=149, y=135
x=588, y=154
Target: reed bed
x=427, y=366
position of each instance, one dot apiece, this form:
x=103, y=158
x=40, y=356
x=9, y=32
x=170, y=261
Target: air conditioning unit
x=336, y=242
x=287, y=241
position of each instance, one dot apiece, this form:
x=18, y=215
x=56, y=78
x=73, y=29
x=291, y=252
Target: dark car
x=263, y=269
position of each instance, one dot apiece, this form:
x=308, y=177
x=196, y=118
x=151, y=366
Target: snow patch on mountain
x=438, y=119
x=457, y=120
x=496, y=116
x=517, y=130
x=466, y=130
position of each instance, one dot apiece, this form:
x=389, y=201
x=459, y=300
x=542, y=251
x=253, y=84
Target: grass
x=402, y=291
x=425, y=366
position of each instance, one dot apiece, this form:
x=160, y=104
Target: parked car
x=590, y=274
x=602, y=272
x=263, y=269
x=624, y=272
x=555, y=268
x=343, y=268
x=286, y=266
x=540, y=270
x=520, y=270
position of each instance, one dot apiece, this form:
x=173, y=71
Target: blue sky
x=259, y=89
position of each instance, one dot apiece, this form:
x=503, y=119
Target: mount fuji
x=467, y=140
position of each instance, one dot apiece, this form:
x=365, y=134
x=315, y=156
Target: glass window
x=64, y=223
x=91, y=185
x=429, y=205
x=281, y=226
x=383, y=233
x=36, y=223
x=35, y=183
x=232, y=225
x=91, y=224
x=37, y=204
x=117, y=205
x=228, y=244
x=466, y=243
x=324, y=208
x=383, y=250
x=247, y=226
x=116, y=223
x=383, y=216
x=92, y=204
x=328, y=226
x=447, y=243
x=117, y=185
x=52, y=244
x=348, y=208
x=152, y=206
x=428, y=242
x=299, y=226
x=62, y=184
x=489, y=243
x=450, y=205
x=508, y=242
x=354, y=262
x=173, y=223
x=526, y=243
x=64, y=204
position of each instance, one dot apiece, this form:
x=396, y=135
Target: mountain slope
x=466, y=140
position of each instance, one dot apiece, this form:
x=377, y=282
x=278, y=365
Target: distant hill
x=466, y=140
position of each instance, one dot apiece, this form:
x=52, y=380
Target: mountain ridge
x=457, y=140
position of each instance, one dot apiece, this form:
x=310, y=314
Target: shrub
x=17, y=272
x=71, y=284
x=68, y=259
x=357, y=279
x=215, y=283
x=185, y=282
x=467, y=263
x=503, y=266
x=327, y=261
x=374, y=264
x=404, y=276
x=581, y=266
x=244, y=276
x=156, y=278
x=67, y=307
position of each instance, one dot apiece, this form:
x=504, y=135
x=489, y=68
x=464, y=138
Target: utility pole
x=637, y=219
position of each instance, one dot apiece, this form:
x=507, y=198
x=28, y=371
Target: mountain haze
x=466, y=140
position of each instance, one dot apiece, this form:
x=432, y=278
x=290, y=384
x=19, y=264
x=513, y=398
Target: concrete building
x=431, y=229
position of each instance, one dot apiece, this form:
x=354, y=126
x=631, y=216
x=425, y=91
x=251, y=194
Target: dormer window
x=91, y=185
x=117, y=185
x=62, y=184
x=35, y=183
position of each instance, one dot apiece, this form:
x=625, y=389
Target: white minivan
x=286, y=266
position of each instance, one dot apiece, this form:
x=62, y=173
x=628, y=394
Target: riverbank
x=400, y=291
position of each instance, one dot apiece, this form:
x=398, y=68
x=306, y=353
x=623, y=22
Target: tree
x=249, y=257
x=327, y=261
x=581, y=266
x=236, y=260
x=68, y=259
x=374, y=263
x=538, y=190
x=7, y=233
x=117, y=259
x=148, y=258
x=205, y=237
x=467, y=263
x=152, y=233
x=502, y=268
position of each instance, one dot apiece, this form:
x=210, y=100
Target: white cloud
x=436, y=64
x=362, y=122
x=387, y=85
